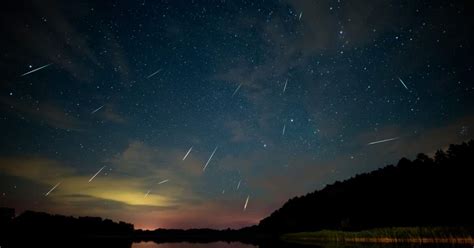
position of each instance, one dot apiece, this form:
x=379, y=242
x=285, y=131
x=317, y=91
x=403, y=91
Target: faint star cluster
x=182, y=108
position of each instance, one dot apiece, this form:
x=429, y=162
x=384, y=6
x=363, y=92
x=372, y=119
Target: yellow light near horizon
x=133, y=198
x=127, y=191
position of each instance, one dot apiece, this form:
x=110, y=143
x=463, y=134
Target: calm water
x=192, y=245
x=121, y=243
x=282, y=245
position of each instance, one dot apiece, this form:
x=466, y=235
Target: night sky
x=278, y=98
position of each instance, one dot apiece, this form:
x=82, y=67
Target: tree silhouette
x=422, y=192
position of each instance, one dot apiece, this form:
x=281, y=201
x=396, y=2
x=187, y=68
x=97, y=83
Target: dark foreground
x=127, y=243
x=399, y=235
x=33, y=229
x=426, y=192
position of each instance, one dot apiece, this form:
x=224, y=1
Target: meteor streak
x=164, y=181
x=154, y=73
x=185, y=156
x=382, y=141
x=246, y=202
x=148, y=192
x=97, y=109
x=51, y=190
x=209, y=160
x=235, y=91
x=404, y=85
x=34, y=70
x=92, y=178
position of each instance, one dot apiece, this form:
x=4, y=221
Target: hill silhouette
x=424, y=192
x=40, y=224
x=31, y=226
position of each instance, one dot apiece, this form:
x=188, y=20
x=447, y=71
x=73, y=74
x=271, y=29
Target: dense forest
x=424, y=192
x=43, y=224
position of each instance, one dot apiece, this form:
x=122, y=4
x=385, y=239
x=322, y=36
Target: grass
x=421, y=235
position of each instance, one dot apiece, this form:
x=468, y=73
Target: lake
x=192, y=245
x=285, y=245
x=123, y=243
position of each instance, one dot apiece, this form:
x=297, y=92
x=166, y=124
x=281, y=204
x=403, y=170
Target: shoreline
x=399, y=235
x=386, y=240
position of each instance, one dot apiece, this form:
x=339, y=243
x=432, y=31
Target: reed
x=421, y=235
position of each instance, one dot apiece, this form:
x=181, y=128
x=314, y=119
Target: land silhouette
x=424, y=192
x=431, y=194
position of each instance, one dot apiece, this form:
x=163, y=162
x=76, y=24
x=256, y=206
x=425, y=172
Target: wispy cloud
x=43, y=113
x=184, y=202
x=52, y=32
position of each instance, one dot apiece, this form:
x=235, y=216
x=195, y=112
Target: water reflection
x=192, y=245
x=126, y=243
x=277, y=244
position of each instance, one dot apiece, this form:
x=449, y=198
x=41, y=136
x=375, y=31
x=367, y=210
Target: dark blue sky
x=290, y=92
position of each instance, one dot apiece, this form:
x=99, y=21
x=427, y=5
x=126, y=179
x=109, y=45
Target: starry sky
x=114, y=108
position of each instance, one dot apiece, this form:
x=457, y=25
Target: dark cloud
x=341, y=62
x=43, y=113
